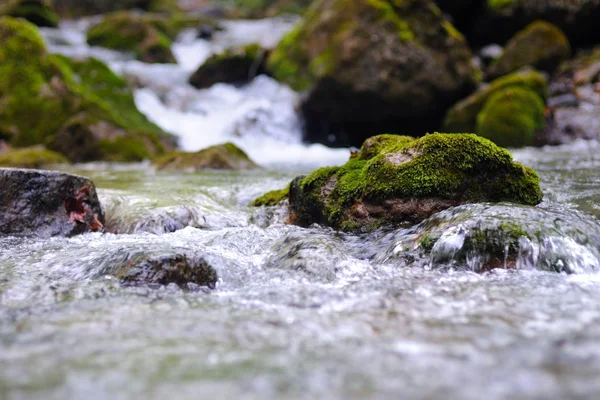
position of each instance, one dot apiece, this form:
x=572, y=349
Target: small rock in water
x=47, y=203
x=178, y=269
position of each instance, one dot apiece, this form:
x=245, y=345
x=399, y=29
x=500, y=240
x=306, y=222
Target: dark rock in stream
x=181, y=270
x=47, y=203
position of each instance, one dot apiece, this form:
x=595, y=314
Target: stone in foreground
x=163, y=270
x=47, y=203
x=406, y=181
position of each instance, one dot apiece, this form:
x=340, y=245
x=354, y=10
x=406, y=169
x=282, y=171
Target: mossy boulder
x=499, y=20
x=128, y=31
x=372, y=65
x=512, y=117
x=272, y=198
x=57, y=91
x=31, y=157
x=224, y=156
x=235, y=65
x=38, y=12
x=407, y=181
x=462, y=117
x=540, y=45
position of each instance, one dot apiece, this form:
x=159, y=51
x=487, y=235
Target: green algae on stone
x=224, y=156
x=235, y=65
x=462, y=117
x=409, y=181
x=38, y=12
x=31, y=157
x=511, y=117
x=271, y=198
x=128, y=31
x=541, y=45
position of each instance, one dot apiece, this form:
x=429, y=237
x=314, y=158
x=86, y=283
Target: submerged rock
x=508, y=111
x=30, y=157
x=223, y=156
x=179, y=269
x=57, y=91
x=540, y=45
x=406, y=181
x=236, y=65
x=373, y=65
x=128, y=31
x=38, y=12
x=47, y=203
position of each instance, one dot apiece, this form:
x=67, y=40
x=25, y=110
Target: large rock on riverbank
x=60, y=92
x=370, y=66
x=47, y=203
x=395, y=180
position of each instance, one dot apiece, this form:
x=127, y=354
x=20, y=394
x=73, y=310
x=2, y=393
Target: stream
x=297, y=313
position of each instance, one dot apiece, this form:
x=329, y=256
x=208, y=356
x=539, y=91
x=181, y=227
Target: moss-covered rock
x=58, y=91
x=38, y=12
x=540, y=45
x=372, y=65
x=128, y=31
x=224, y=156
x=462, y=117
x=408, y=181
x=235, y=65
x=271, y=198
x=512, y=117
x=31, y=157
x=501, y=19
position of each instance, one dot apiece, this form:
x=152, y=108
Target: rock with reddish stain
x=47, y=203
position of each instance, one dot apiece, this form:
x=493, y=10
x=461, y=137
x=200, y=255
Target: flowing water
x=297, y=313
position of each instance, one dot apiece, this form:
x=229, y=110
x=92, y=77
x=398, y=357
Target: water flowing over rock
x=47, y=203
x=370, y=66
x=395, y=180
x=182, y=270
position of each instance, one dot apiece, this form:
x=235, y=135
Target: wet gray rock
x=182, y=270
x=47, y=203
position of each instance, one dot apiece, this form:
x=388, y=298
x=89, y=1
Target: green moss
x=511, y=117
x=31, y=83
x=271, y=198
x=38, y=12
x=459, y=168
x=540, y=45
x=224, y=156
x=31, y=157
x=385, y=143
x=499, y=5
x=462, y=117
x=128, y=31
x=426, y=242
x=57, y=91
